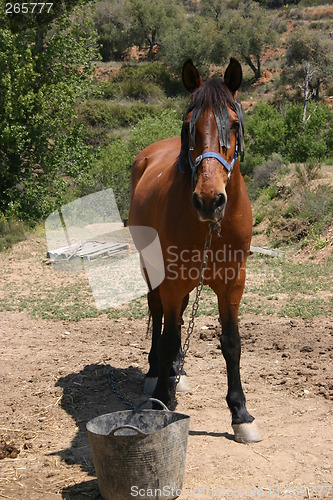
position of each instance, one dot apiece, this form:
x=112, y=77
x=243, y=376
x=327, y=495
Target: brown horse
x=180, y=186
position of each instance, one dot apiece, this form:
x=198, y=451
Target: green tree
x=112, y=21
x=202, y=41
x=251, y=34
x=40, y=147
x=151, y=19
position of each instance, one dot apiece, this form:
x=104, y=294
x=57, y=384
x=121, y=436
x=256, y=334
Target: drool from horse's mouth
x=214, y=218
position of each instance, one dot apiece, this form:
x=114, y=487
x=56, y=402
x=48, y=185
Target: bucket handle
x=154, y=400
x=132, y=427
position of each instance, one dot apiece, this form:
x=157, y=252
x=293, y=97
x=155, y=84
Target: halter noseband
x=211, y=154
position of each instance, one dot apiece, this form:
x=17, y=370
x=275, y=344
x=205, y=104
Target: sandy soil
x=55, y=378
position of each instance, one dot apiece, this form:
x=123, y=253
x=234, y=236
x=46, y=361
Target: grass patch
x=276, y=286
x=65, y=302
x=273, y=286
x=11, y=232
x=136, y=309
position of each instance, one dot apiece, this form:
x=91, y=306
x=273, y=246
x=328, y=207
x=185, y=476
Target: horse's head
x=212, y=137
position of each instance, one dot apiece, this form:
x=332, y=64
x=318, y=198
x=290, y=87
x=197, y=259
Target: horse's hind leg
x=243, y=423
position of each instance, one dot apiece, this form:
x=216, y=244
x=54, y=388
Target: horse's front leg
x=229, y=297
x=168, y=345
x=156, y=310
x=182, y=384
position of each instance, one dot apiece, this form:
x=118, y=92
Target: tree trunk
x=306, y=89
x=256, y=70
x=258, y=75
x=40, y=39
x=152, y=43
x=317, y=90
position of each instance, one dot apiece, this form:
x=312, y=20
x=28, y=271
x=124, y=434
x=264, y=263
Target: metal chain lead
x=117, y=392
x=195, y=305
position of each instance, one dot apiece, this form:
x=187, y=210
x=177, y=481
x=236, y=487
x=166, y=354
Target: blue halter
x=211, y=154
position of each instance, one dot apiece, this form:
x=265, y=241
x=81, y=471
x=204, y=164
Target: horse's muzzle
x=212, y=210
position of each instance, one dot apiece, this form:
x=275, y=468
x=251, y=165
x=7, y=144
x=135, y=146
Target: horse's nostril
x=220, y=200
x=197, y=202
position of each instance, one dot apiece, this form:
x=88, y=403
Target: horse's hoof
x=182, y=386
x=149, y=385
x=247, y=433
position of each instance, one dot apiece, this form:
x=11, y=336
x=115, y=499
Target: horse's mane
x=214, y=92
x=215, y=95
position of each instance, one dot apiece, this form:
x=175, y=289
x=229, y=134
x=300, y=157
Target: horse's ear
x=233, y=75
x=190, y=76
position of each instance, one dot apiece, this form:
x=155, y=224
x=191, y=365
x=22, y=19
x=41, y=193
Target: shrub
x=112, y=169
x=303, y=213
x=270, y=130
x=113, y=166
x=265, y=173
x=306, y=140
x=141, y=90
x=266, y=132
x=153, y=73
x=149, y=130
x=112, y=114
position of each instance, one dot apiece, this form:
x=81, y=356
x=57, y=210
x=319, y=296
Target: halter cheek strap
x=211, y=154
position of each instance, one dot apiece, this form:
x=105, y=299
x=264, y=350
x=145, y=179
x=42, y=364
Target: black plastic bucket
x=139, y=453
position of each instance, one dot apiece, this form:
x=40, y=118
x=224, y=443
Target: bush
x=312, y=209
x=113, y=166
x=307, y=172
x=265, y=173
x=112, y=114
x=149, y=130
x=266, y=131
x=153, y=73
x=301, y=212
x=306, y=140
x=112, y=169
x=270, y=130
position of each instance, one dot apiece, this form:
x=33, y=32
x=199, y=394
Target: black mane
x=214, y=92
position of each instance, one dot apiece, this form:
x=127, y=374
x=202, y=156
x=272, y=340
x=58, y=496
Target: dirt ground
x=55, y=378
